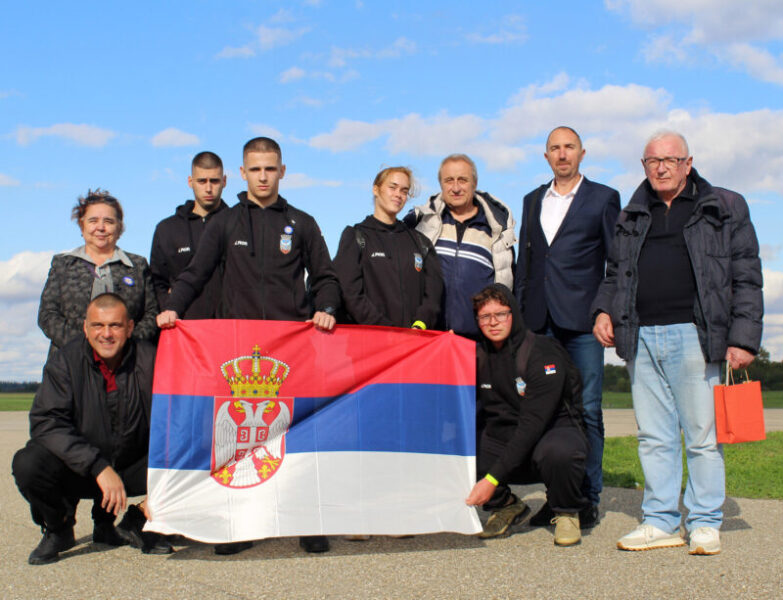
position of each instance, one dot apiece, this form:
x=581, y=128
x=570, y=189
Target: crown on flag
x=255, y=383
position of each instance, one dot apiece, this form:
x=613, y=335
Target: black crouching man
x=89, y=436
x=529, y=420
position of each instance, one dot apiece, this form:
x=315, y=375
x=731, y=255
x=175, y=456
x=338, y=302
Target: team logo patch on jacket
x=521, y=385
x=550, y=369
x=418, y=261
x=128, y=280
x=248, y=444
x=285, y=239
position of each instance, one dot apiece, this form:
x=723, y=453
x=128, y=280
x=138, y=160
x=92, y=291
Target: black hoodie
x=525, y=388
x=173, y=245
x=264, y=253
x=389, y=275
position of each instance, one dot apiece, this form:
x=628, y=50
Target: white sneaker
x=647, y=537
x=705, y=540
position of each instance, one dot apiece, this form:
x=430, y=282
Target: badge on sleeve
x=285, y=239
x=550, y=369
x=521, y=385
x=418, y=261
x=128, y=280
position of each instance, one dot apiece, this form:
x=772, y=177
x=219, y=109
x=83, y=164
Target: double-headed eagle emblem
x=250, y=425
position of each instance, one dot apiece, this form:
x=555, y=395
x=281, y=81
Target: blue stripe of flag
x=423, y=418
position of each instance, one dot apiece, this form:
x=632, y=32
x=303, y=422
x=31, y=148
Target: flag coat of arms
x=272, y=428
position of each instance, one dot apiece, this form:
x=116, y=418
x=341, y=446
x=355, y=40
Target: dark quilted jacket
x=724, y=253
x=67, y=292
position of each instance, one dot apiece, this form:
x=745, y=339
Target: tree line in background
x=769, y=373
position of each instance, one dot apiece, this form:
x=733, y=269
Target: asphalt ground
x=524, y=565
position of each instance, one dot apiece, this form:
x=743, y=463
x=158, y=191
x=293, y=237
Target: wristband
x=418, y=325
x=491, y=479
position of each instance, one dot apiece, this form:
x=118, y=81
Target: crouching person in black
x=89, y=430
x=529, y=420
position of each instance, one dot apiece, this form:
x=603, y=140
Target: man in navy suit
x=567, y=230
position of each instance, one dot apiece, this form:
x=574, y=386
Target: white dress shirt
x=554, y=208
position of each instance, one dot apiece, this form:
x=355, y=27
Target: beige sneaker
x=705, y=540
x=648, y=537
x=567, y=531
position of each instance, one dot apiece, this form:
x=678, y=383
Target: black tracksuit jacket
x=394, y=280
x=263, y=253
x=552, y=393
x=173, y=245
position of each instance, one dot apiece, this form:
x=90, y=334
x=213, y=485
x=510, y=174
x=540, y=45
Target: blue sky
x=122, y=96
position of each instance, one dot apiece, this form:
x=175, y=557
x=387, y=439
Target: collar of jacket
x=707, y=203
x=498, y=215
x=128, y=355
x=185, y=211
x=280, y=204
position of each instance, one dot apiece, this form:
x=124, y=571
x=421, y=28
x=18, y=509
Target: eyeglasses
x=500, y=317
x=670, y=162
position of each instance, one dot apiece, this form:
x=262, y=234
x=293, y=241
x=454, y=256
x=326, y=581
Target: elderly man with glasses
x=682, y=293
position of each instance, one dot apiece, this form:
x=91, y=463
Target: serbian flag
x=273, y=428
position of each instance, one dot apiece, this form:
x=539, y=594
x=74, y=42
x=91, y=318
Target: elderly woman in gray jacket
x=99, y=266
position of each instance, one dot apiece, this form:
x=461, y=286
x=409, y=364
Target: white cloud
x=734, y=150
x=339, y=57
x=292, y=74
x=264, y=130
x=757, y=62
x=300, y=180
x=173, y=137
x=82, y=134
x=7, y=180
x=728, y=31
x=23, y=275
x=266, y=38
x=22, y=345
x=8, y=93
x=512, y=31
x=237, y=52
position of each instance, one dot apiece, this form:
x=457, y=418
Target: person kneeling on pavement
x=89, y=430
x=529, y=420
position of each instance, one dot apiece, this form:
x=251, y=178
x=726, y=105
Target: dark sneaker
x=543, y=518
x=232, y=548
x=131, y=529
x=502, y=519
x=105, y=533
x=314, y=543
x=589, y=516
x=53, y=542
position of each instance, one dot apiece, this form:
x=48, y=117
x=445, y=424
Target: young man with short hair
x=177, y=237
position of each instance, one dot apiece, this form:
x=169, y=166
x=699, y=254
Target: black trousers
x=557, y=461
x=54, y=490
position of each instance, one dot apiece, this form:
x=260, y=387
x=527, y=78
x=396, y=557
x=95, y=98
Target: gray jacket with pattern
x=68, y=291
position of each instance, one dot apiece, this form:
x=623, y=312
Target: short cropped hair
x=206, y=160
x=108, y=300
x=486, y=296
x=262, y=144
x=97, y=196
x=383, y=174
x=459, y=158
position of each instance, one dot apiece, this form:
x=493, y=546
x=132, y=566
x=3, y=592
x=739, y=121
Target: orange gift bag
x=739, y=412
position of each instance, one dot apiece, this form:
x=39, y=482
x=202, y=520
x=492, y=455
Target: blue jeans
x=672, y=390
x=588, y=356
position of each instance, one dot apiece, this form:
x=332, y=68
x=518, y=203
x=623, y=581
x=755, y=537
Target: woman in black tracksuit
x=389, y=273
